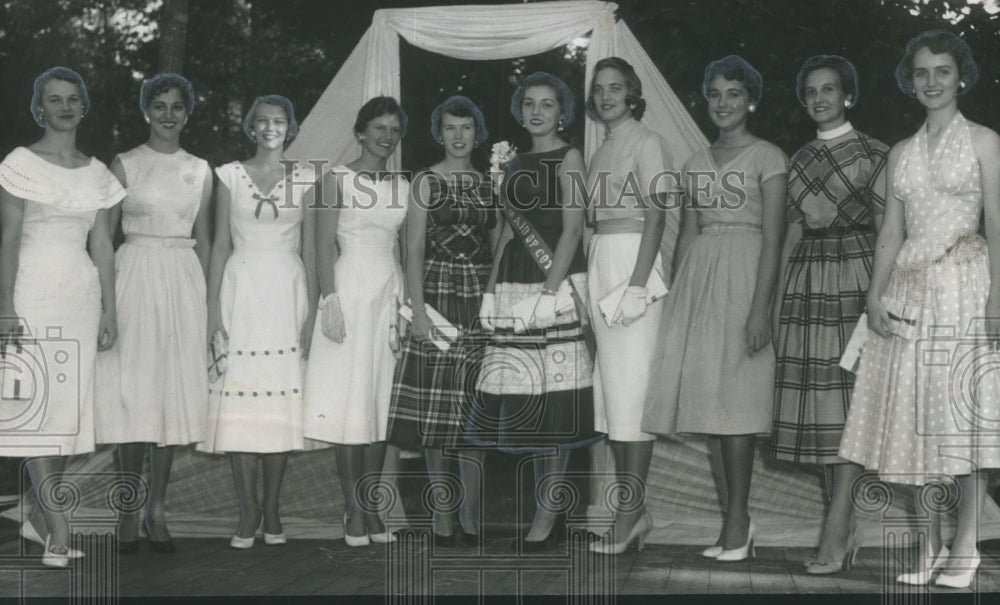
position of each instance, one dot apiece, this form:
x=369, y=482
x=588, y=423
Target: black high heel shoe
x=162, y=547
x=557, y=535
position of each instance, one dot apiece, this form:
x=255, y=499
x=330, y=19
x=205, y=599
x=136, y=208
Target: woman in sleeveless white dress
x=259, y=299
x=350, y=370
x=54, y=199
x=152, y=387
x=926, y=404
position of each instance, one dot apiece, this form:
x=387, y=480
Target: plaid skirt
x=826, y=282
x=433, y=390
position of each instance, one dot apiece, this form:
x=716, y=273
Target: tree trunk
x=173, y=35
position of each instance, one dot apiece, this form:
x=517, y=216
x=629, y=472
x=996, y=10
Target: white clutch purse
x=656, y=289
x=445, y=333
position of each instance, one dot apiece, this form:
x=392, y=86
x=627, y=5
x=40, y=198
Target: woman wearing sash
x=161, y=399
x=57, y=275
x=716, y=368
x=628, y=168
x=536, y=377
x=926, y=404
x=448, y=225
x=835, y=202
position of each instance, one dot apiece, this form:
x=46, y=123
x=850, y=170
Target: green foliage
x=238, y=49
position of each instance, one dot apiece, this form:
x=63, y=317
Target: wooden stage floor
x=310, y=568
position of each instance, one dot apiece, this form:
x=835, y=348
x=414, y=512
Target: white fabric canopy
x=486, y=33
x=489, y=33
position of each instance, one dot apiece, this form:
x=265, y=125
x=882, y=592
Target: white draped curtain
x=486, y=33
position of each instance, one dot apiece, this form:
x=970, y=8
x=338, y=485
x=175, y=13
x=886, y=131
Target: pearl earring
x=847, y=104
x=560, y=127
x=753, y=108
x=962, y=84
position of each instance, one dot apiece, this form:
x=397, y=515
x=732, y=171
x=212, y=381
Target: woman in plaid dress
x=447, y=264
x=835, y=202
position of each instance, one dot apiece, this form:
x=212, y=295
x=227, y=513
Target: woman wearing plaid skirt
x=835, y=200
x=447, y=265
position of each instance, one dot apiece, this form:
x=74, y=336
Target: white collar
x=826, y=135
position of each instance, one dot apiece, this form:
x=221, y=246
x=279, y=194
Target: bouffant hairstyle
x=937, y=41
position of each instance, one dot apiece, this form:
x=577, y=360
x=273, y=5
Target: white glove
x=487, y=311
x=632, y=305
x=332, y=318
x=545, y=311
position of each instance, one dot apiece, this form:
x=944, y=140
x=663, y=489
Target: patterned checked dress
x=836, y=187
x=432, y=390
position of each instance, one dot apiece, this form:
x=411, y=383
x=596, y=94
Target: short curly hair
x=460, y=107
x=842, y=67
x=277, y=101
x=633, y=96
x=380, y=106
x=567, y=102
x=734, y=67
x=161, y=83
x=937, y=41
x=57, y=73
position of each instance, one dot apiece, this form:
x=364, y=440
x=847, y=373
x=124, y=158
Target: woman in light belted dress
x=153, y=389
x=625, y=248
x=260, y=299
x=715, y=368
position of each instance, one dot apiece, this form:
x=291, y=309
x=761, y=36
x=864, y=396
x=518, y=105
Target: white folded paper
x=855, y=345
x=656, y=289
x=443, y=332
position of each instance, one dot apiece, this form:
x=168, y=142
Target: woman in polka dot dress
x=261, y=302
x=926, y=407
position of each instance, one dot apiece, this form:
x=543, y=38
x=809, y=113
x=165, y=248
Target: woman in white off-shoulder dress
x=53, y=210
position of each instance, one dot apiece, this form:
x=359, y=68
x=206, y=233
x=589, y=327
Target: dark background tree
x=233, y=50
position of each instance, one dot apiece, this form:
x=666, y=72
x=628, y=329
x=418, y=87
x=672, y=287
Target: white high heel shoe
x=354, y=541
x=923, y=576
x=741, y=553
x=246, y=543
x=961, y=579
x=29, y=533
x=56, y=555
x=638, y=535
